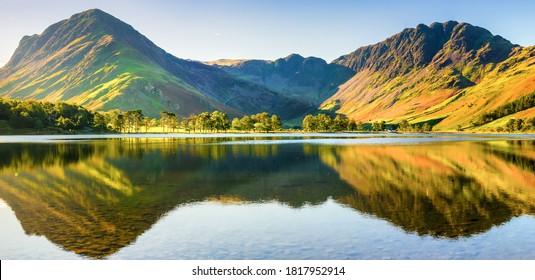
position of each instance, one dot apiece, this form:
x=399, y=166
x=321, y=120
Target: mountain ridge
x=429, y=73
x=294, y=76
x=94, y=59
x=447, y=74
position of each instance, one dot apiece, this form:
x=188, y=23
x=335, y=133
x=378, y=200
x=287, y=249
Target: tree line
x=521, y=104
x=325, y=123
x=515, y=125
x=218, y=122
x=27, y=114
x=61, y=117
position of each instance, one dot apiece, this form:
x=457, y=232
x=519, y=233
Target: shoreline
x=316, y=137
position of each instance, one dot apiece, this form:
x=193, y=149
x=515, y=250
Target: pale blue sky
x=269, y=29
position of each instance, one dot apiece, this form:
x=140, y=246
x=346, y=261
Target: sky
x=270, y=29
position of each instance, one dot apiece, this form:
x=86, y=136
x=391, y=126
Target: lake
x=268, y=196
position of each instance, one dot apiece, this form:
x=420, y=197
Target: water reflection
x=94, y=198
x=448, y=190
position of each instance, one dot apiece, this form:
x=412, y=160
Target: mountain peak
x=420, y=46
x=294, y=56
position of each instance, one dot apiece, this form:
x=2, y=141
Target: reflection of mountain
x=446, y=190
x=110, y=192
x=94, y=198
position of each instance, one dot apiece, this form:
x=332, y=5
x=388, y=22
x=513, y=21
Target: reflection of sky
x=212, y=230
x=16, y=244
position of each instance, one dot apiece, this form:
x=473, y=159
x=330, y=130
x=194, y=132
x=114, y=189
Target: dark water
x=283, y=197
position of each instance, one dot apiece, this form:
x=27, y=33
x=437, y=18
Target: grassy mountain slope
x=448, y=74
x=98, y=61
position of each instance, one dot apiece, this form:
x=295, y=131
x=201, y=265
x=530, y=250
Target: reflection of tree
x=446, y=190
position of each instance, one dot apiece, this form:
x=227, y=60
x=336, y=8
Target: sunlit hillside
x=445, y=74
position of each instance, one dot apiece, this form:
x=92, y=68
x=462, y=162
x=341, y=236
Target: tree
x=219, y=121
x=192, y=123
x=404, y=125
x=351, y=125
x=236, y=124
x=323, y=122
x=118, y=122
x=360, y=126
x=100, y=122
x=154, y=123
x=339, y=123
x=510, y=125
x=247, y=123
x=276, y=123
x=264, y=119
x=427, y=127
x=309, y=123
x=184, y=123
x=163, y=120
x=172, y=121
x=519, y=124
x=137, y=119
x=203, y=122
x=146, y=124
x=64, y=123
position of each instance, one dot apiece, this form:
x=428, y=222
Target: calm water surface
x=312, y=196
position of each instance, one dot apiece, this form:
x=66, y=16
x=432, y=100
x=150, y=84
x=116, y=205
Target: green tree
x=192, y=123
x=184, y=123
x=276, y=123
x=164, y=119
x=510, y=125
x=236, y=124
x=264, y=120
x=351, y=125
x=147, y=124
x=219, y=121
x=247, y=123
x=100, y=123
x=118, y=122
x=360, y=126
x=172, y=121
x=203, y=122
x=323, y=122
x=339, y=123
x=154, y=123
x=519, y=124
x=404, y=125
x=309, y=123
x=137, y=119
x=426, y=127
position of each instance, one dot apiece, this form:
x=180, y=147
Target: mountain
x=96, y=60
x=448, y=74
x=294, y=76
